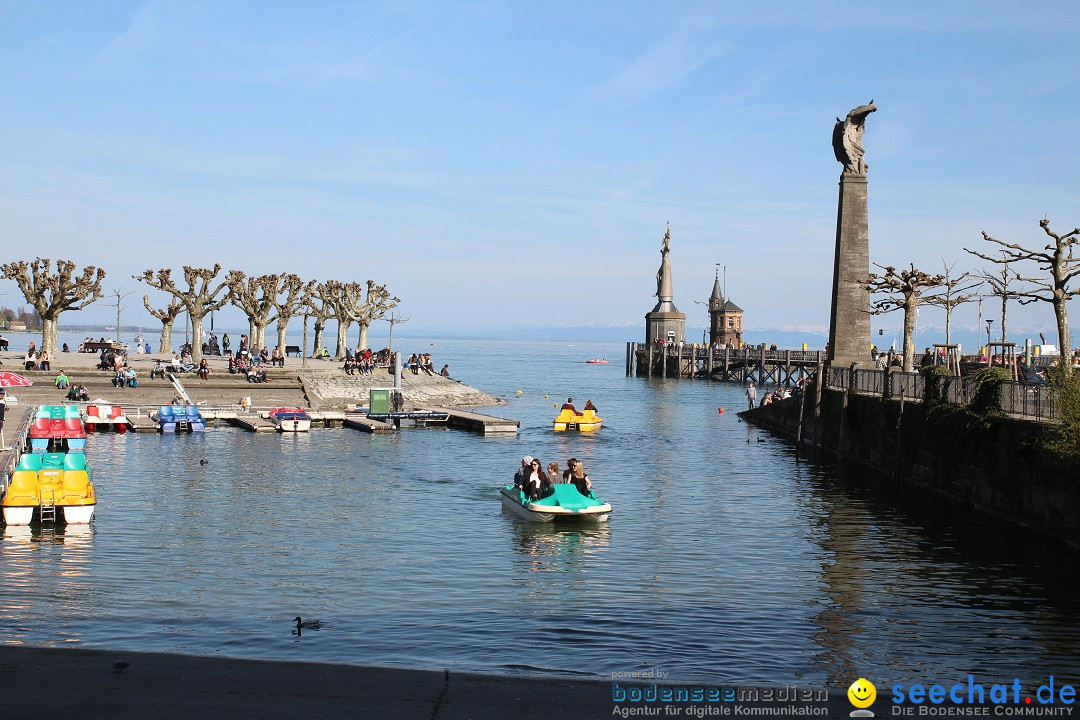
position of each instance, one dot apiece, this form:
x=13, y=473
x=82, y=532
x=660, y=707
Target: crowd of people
x=536, y=482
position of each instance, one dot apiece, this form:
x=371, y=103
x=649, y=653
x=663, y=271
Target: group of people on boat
x=537, y=483
x=569, y=405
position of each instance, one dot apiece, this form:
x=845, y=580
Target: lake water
x=725, y=560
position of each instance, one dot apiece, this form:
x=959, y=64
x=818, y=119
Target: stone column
x=849, y=321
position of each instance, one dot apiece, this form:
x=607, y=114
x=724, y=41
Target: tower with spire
x=725, y=317
x=665, y=322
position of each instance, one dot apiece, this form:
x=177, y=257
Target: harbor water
x=725, y=560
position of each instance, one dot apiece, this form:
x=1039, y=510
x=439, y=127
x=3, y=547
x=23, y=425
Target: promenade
x=321, y=384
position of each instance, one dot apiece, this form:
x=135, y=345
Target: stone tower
x=725, y=319
x=665, y=321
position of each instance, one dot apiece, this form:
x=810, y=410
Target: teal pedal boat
x=563, y=504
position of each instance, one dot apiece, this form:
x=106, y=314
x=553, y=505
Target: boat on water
x=179, y=418
x=290, y=419
x=584, y=421
x=52, y=483
x=564, y=503
x=597, y=361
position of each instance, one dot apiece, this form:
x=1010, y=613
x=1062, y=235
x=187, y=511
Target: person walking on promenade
x=751, y=395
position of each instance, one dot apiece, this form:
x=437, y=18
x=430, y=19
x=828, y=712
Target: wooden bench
x=93, y=347
x=290, y=349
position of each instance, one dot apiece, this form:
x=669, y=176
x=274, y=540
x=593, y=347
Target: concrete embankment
x=997, y=468
x=116, y=685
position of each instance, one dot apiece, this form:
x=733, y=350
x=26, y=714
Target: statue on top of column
x=847, y=139
x=663, y=275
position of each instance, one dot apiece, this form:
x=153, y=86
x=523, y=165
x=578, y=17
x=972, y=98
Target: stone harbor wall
x=333, y=388
x=999, y=470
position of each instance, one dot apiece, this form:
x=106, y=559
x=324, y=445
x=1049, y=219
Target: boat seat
x=117, y=411
x=30, y=462
x=52, y=460
x=70, y=411
x=40, y=428
x=76, y=487
x=23, y=489
x=75, y=461
x=165, y=412
x=92, y=412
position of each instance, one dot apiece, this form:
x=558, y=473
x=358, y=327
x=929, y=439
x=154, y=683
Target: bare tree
x=395, y=319
x=256, y=297
x=344, y=299
x=1057, y=261
x=167, y=316
x=288, y=302
x=198, y=299
x=317, y=302
x=119, y=305
x=906, y=289
x=999, y=287
x=955, y=293
x=374, y=307
x=51, y=293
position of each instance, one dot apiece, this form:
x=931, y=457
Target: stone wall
x=999, y=470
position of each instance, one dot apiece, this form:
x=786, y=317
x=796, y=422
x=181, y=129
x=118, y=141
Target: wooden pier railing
x=760, y=364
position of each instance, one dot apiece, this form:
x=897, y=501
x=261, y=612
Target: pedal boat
x=48, y=483
x=585, y=421
x=290, y=419
x=597, y=361
x=566, y=503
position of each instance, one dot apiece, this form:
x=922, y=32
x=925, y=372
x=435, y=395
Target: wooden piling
x=649, y=371
x=819, y=384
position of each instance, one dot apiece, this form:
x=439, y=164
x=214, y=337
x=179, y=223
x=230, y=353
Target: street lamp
x=988, y=324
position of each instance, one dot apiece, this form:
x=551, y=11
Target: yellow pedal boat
x=585, y=421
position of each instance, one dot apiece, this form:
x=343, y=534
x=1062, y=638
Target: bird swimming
x=307, y=624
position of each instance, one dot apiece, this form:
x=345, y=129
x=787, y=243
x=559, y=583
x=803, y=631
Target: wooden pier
x=366, y=424
x=254, y=423
x=742, y=365
x=484, y=424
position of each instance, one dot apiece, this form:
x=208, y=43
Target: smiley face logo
x=862, y=693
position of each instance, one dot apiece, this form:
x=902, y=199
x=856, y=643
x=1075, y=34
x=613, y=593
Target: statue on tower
x=663, y=275
x=847, y=139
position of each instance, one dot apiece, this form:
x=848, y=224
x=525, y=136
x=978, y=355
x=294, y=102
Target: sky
x=506, y=164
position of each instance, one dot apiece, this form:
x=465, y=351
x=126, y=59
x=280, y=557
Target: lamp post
x=988, y=324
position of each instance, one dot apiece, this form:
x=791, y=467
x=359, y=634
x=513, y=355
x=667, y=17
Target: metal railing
x=870, y=381
x=1029, y=400
x=1034, y=400
x=909, y=385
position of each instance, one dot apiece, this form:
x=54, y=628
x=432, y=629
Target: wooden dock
x=484, y=424
x=360, y=422
x=254, y=423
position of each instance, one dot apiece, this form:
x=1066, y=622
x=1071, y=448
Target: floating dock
x=366, y=424
x=484, y=424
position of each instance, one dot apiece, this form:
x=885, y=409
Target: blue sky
x=500, y=163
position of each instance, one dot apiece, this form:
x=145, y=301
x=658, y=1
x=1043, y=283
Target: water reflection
x=557, y=547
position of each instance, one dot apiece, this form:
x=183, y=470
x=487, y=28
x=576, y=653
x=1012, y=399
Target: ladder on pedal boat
x=48, y=506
